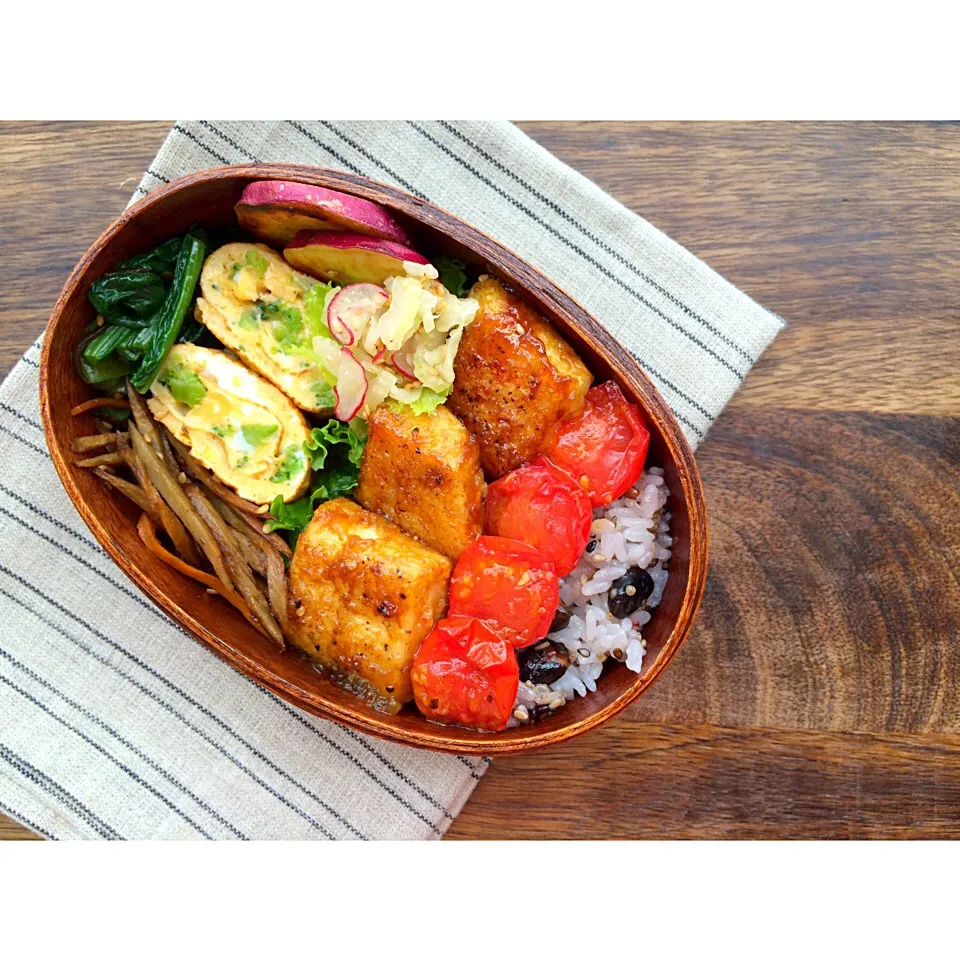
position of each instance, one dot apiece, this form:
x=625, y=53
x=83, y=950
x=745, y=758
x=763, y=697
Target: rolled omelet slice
x=269, y=315
x=236, y=424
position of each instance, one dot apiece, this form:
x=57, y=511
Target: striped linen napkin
x=114, y=723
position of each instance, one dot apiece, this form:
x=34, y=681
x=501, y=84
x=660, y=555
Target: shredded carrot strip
x=148, y=535
x=99, y=402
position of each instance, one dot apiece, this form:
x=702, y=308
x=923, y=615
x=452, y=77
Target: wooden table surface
x=819, y=692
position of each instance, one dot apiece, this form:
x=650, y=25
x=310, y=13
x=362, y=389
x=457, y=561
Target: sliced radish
x=276, y=210
x=378, y=356
x=352, y=309
x=351, y=388
x=403, y=359
x=348, y=257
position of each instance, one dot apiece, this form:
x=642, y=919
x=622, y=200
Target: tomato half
x=541, y=506
x=507, y=583
x=603, y=449
x=466, y=673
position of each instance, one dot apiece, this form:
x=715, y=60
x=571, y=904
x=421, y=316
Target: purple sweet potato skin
x=274, y=211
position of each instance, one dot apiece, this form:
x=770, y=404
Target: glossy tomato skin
x=466, y=673
x=508, y=584
x=541, y=506
x=604, y=449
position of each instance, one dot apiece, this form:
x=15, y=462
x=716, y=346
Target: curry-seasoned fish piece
x=515, y=377
x=236, y=424
x=422, y=471
x=262, y=309
x=363, y=596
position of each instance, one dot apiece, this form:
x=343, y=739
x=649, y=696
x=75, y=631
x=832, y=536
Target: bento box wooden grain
x=208, y=197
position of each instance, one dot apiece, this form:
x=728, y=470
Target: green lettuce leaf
x=290, y=516
x=335, y=451
x=315, y=307
x=453, y=275
x=337, y=439
x=428, y=401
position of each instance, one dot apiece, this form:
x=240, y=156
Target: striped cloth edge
x=114, y=723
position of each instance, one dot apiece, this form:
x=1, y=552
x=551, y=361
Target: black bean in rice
x=630, y=533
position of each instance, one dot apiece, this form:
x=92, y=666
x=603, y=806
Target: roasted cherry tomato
x=466, y=673
x=604, y=448
x=508, y=584
x=541, y=506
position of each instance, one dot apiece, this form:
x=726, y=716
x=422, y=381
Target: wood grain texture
x=649, y=782
x=817, y=694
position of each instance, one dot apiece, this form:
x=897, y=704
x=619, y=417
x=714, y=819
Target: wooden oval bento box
x=208, y=197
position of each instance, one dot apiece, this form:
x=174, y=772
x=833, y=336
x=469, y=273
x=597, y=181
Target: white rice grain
x=634, y=531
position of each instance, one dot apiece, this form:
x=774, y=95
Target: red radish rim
x=337, y=412
x=337, y=337
x=334, y=315
x=405, y=353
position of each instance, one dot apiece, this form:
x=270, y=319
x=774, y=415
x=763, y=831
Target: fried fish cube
x=422, y=471
x=515, y=377
x=363, y=596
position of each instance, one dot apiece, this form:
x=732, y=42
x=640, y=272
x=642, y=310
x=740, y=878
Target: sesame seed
x=630, y=590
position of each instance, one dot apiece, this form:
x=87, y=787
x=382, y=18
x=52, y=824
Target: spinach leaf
x=167, y=322
x=191, y=331
x=103, y=374
x=116, y=414
x=102, y=345
x=161, y=259
x=127, y=295
x=144, y=312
